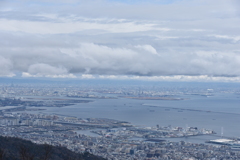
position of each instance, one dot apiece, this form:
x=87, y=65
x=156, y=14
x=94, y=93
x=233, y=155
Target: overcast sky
x=189, y=40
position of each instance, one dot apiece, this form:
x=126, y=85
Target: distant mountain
x=19, y=149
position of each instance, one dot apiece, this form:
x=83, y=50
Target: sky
x=160, y=40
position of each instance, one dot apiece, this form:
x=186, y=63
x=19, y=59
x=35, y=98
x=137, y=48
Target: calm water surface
x=215, y=112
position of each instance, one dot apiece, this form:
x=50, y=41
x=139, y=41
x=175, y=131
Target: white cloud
x=147, y=48
x=87, y=76
x=41, y=68
x=183, y=40
x=45, y=70
x=71, y=27
x=183, y=78
x=27, y=75
x=233, y=38
x=5, y=67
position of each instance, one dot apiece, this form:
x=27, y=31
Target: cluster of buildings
x=113, y=140
x=17, y=122
x=153, y=132
x=20, y=120
x=99, y=91
x=110, y=128
x=120, y=149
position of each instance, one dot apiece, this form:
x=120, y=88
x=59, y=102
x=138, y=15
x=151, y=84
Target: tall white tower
x=222, y=132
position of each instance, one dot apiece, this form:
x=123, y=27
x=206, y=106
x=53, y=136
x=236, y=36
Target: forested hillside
x=19, y=149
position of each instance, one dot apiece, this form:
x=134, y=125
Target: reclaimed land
x=155, y=98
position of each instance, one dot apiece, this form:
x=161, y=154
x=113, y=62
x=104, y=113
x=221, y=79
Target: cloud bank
x=158, y=40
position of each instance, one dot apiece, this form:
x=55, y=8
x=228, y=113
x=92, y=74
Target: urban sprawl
x=108, y=138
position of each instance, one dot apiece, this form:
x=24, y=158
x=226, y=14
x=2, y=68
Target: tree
x=48, y=151
x=24, y=153
x=2, y=153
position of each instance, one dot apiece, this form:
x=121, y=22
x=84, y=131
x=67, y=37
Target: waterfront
x=125, y=122
x=214, y=112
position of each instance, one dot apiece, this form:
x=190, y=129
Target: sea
x=219, y=112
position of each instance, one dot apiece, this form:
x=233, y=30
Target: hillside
x=19, y=149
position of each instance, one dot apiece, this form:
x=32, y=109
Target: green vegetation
x=19, y=149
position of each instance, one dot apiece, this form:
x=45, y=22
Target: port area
x=233, y=143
